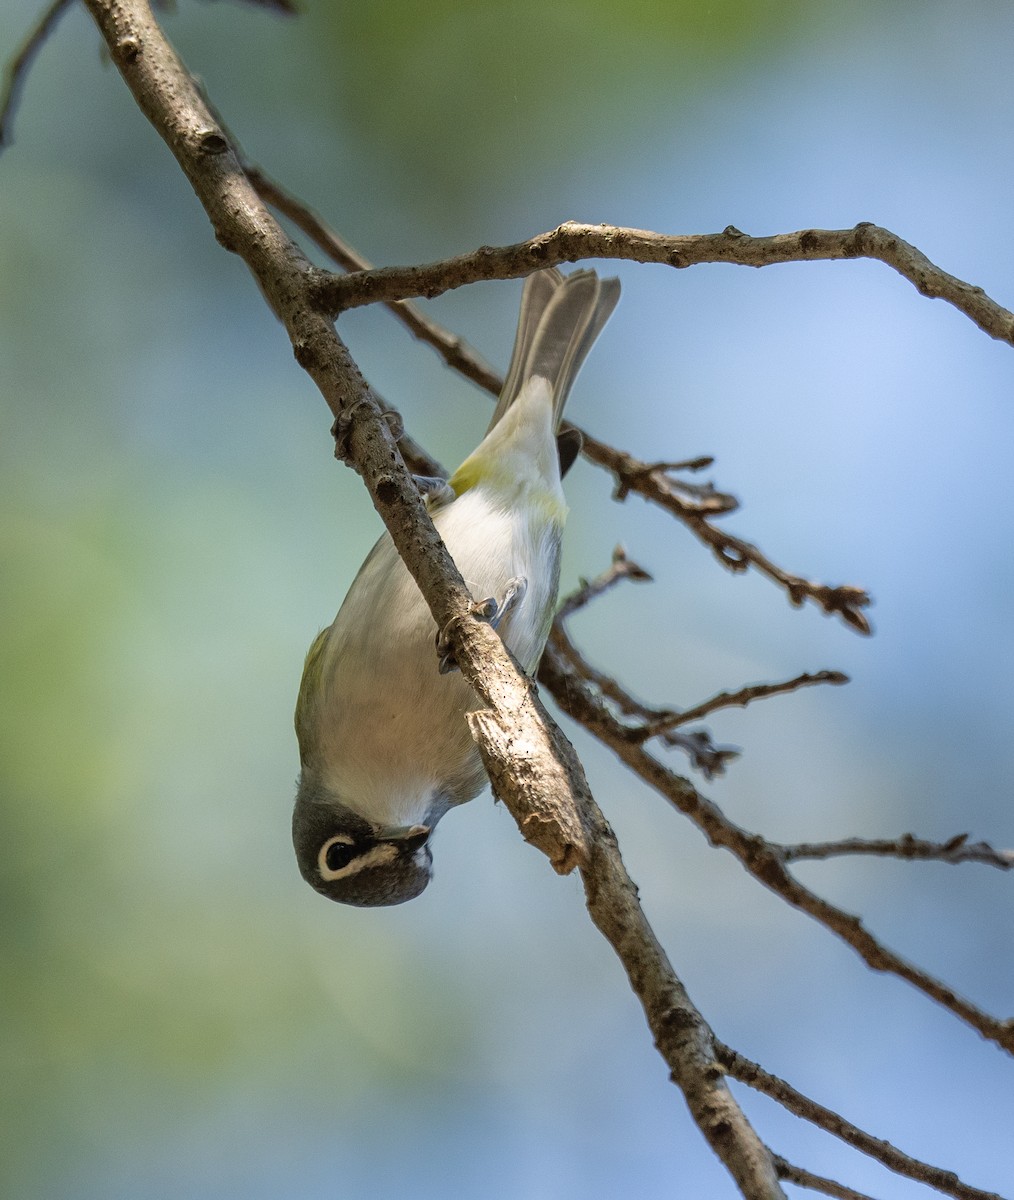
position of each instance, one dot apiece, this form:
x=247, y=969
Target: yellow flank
x=466, y=476
x=524, y=491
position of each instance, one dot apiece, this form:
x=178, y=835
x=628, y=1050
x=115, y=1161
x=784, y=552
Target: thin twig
x=955, y=850
x=753, y=1075
x=704, y=755
x=620, y=568
x=816, y=1183
x=17, y=68
x=573, y=240
x=738, y=699
x=664, y=723
x=654, y=482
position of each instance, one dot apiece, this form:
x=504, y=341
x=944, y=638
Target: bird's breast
x=393, y=728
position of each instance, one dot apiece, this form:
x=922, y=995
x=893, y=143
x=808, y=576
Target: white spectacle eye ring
x=334, y=857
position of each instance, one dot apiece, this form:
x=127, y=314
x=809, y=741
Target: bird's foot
x=491, y=610
x=495, y=612
x=435, y=490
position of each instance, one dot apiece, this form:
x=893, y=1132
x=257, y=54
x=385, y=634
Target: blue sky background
x=182, y=1015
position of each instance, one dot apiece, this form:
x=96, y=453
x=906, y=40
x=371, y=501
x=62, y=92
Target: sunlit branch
x=573, y=241
x=657, y=482
x=455, y=351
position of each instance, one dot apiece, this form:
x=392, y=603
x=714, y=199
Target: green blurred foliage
x=174, y=531
x=462, y=99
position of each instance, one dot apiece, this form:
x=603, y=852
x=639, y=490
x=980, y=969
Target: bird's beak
x=410, y=836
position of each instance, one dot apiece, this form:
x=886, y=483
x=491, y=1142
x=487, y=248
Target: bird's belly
x=399, y=724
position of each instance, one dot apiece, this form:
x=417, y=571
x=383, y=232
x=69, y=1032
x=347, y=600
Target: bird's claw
x=513, y=593
x=491, y=610
x=435, y=490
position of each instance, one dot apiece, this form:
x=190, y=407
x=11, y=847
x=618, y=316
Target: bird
x=385, y=749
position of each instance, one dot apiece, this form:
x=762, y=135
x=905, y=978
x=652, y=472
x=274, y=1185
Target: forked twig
x=577, y=688
x=665, y=723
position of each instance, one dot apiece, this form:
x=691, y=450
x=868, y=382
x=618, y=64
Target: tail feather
x=561, y=316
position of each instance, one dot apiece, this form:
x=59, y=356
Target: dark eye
x=338, y=855
x=334, y=856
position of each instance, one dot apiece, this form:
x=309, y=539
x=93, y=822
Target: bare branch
x=738, y=699
x=18, y=67
x=170, y=99
x=660, y=482
x=750, y=1073
x=579, y=697
x=547, y=792
x=664, y=723
x=620, y=568
x=455, y=351
x=680, y=1032
x=534, y=768
x=656, y=482
x=573, y=240
x=704, y=755
x=955, y=850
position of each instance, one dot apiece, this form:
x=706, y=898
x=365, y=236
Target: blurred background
x=181, y=1015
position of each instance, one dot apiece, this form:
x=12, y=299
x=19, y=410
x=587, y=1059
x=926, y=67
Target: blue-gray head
x=349, y=859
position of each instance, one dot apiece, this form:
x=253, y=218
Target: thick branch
x=681, y=1034
x=572, y=241
x=168, y=97
x=454, y=350
x=166, y=94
